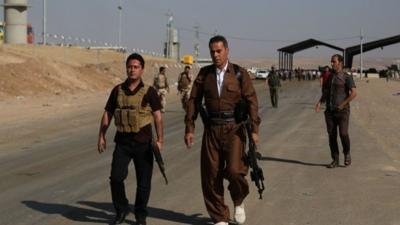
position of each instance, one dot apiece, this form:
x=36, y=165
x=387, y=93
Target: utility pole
x=196, y=45
x=44, y=21
x=169, y=25
x=120, y=23
x=361, y=52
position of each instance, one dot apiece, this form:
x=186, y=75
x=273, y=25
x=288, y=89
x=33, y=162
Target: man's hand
x=318, y=107
x=101, y=144
x=105, y=122
x=255, y=138
x=189, y=140
x=159, y=145
x=339, y=108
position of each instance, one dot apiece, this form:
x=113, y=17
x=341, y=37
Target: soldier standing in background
x=184, y=85
x=274, y=83
x=161, y=85
x=388, y=75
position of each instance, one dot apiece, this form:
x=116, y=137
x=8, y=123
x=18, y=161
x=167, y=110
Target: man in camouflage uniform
x=273, y=82
x=161, y=85
x=184, y=85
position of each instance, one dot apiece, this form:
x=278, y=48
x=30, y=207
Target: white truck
x=262, y=73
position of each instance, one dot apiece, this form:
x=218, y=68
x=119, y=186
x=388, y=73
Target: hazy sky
x=255, y=28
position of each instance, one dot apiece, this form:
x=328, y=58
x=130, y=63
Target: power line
x=196, y=31
x=262, y=40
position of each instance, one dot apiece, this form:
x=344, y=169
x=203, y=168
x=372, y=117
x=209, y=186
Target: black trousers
x=335, y=120
x=273, y=92
x=142, y=157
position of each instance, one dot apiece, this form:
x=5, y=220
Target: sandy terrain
x=377, y=110
x=38, y=71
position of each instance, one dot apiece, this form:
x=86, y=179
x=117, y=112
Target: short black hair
x=339, y=57
x=137, y=57
x=218, y=38
x=162, y=68
x=187, y=67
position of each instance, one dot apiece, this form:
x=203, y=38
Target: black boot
x=140, y=220
x=333, y=164
x=120, y=217
x=347, y=160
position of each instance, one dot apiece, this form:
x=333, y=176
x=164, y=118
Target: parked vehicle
x=262, y=74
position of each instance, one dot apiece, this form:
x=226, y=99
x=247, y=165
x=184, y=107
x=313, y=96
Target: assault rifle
x=256, y=172
x=159, y=160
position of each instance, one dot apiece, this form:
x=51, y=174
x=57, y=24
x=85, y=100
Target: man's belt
x=222, y=115
x=221, y=118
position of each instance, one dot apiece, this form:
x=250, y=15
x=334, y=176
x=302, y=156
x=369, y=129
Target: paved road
x=57, y=177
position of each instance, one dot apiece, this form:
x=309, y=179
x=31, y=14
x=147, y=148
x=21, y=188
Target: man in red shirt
x=324, y=76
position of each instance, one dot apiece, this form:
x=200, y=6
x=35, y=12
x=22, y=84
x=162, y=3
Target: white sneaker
x=240, y=215
x=222, y=223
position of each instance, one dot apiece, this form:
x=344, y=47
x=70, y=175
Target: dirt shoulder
x=377, y=109
x=46, y=71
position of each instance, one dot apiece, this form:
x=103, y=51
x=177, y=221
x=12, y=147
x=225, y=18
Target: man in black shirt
x=134, y=105
x=337, y=92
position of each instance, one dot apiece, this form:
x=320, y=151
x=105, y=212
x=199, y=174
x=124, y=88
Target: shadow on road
x=265, y=158
x=72, y=212
x=104, y=213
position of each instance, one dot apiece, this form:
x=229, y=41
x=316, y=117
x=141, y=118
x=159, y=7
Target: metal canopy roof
x=306, y=44
x=356, y=49
x=348, y=52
